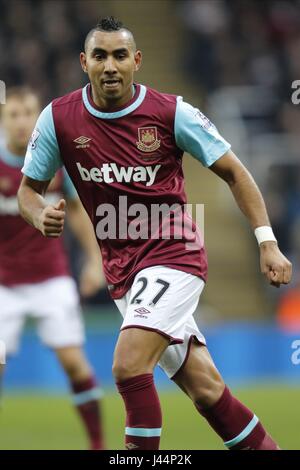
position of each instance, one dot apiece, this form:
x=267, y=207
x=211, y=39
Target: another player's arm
x=274, y=265
x=49, y=219
x=92, y=277
x=82, y=228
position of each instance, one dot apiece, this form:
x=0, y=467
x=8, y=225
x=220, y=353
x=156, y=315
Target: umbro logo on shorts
x=142, y=310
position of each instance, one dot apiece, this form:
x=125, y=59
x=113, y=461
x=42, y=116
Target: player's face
x=19, y=116
x=110, y=61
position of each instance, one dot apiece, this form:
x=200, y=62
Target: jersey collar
x=132, y=105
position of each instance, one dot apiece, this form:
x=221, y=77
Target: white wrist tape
x=264, y=234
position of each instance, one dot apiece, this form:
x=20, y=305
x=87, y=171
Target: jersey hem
x=126, y=288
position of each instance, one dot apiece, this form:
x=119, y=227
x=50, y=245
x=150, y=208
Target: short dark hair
x=109, y=24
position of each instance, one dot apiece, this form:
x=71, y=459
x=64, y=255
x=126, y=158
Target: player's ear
x=137, y=60
x=83, y=61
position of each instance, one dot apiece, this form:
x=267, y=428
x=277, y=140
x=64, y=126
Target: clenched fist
x=274, y=265
x=51, y=220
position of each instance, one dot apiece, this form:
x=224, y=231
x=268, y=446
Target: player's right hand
x=51, y=220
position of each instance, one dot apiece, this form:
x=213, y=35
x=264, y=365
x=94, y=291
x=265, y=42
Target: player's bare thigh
x=137, y=352
x=199, y=378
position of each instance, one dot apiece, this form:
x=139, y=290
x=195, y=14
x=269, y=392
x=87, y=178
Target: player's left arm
x=91, y=278
x=195, y=134
x=274, y=265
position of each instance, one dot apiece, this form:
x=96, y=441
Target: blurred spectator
x=40, y=43
x=235, y=43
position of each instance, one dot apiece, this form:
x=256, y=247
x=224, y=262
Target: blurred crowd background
x=236, y=60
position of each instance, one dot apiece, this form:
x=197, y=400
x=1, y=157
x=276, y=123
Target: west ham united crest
x=148, y=141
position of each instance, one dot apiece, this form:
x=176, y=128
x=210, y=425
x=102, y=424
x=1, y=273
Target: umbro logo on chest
x=82, y=142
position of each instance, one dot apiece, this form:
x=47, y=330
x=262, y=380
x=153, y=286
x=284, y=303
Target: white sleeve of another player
x=197, y=135
x=42, y=158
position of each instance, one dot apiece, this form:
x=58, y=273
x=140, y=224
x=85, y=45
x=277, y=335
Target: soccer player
x=122, y=145
x=34, y=274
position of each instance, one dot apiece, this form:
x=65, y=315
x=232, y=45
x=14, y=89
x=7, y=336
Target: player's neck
x=111, y=105
x=15, y=149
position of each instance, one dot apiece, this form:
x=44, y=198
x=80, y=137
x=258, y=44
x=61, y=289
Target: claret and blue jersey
x=26, y=257
x=135, y=151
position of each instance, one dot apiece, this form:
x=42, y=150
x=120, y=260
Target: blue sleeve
x=42, y=159
x=195, y=134
x=68, y=187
